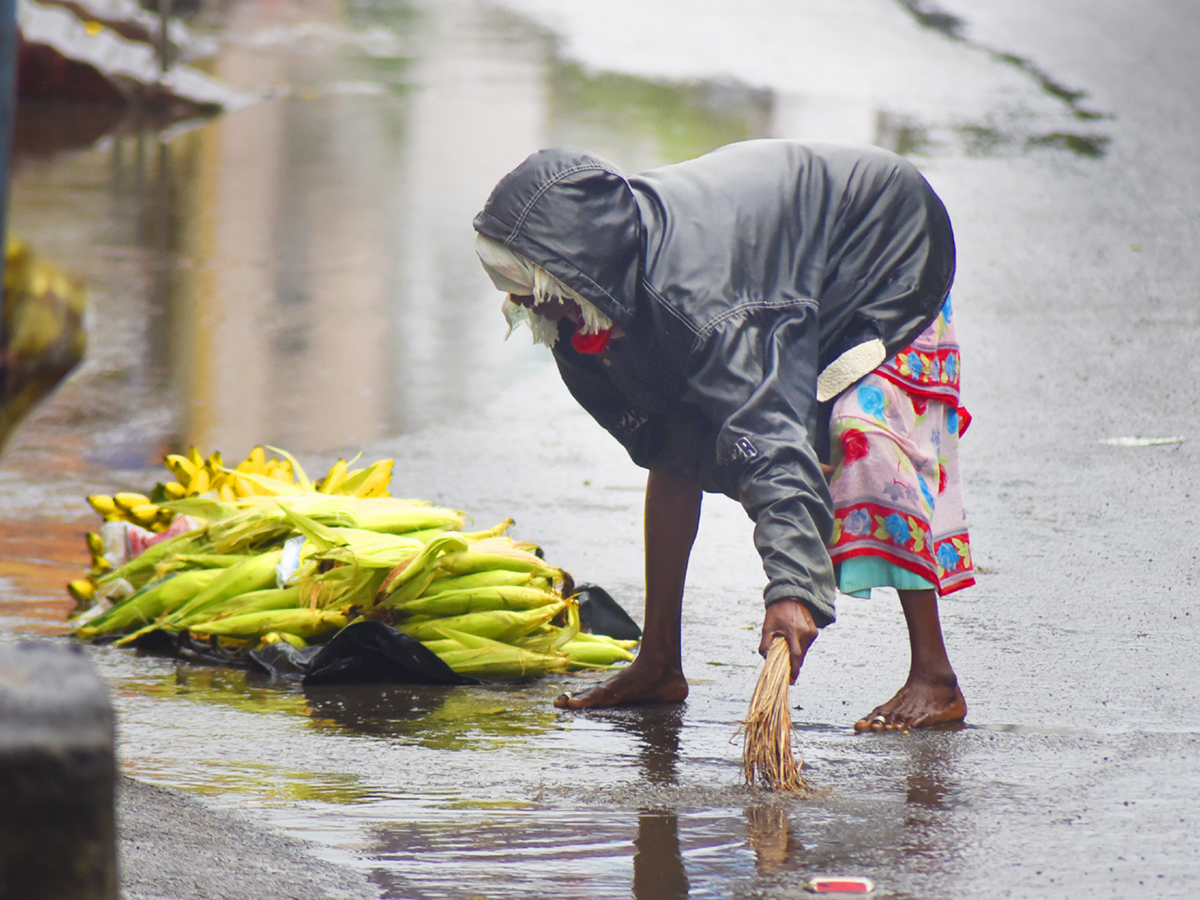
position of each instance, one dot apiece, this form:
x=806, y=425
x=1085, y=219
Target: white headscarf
x=514, y=274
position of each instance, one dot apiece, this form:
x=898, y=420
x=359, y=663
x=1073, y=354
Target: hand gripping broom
x=767, y=729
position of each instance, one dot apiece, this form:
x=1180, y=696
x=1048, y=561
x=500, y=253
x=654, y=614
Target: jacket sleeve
x=754, y=373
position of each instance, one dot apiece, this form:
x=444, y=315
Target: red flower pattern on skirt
x=855, y=445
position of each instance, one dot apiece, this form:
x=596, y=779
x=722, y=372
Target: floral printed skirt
x=896, y=488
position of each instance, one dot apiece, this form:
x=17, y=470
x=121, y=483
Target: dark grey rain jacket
x=736, y=278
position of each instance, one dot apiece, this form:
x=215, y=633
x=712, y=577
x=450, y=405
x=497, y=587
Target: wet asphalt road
x=1064, y=149
x=1079, y=317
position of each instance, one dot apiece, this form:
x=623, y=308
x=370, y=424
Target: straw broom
x=767, y=729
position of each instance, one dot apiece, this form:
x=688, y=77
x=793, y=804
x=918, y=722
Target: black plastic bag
x=599, y=613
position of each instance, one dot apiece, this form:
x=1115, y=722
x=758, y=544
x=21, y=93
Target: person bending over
x=770, y=321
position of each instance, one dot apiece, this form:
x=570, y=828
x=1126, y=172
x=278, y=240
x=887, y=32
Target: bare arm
x=672, y=519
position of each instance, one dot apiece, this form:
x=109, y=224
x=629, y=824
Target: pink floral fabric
x=896, y=487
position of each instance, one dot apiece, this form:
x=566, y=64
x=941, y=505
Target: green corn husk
x=148, y=604
x=605, y=639
x=139, y=570
x=550, y=638
x=457, y=603
x=252, y=601
x=595, y=653
x=443, y=645
x=470, y=561
x=405, y=517
x=488, y=578
x=503, y=625
x=371, y=549
x=495, y=661
x=305, y=623
x=256, y=573
x=182, y=561
x=339, y=586
x=417, y=568
x=206, y=560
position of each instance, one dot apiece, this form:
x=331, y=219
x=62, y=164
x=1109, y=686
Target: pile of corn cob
x=243, y=556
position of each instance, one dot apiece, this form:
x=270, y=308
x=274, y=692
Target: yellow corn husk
x=767, y=729
x=104, y=505
x=265, y=485
x=95, y=544
x=503, y=625
x=488, y=578
x=276, y=637
x=145, y=515
x=342, y=586
x=181, y=467
x=82, y=591
x=496, y=530
x=372, y=481
x=252, y=601
x=150, y=603
x=595, y=653
x=605, y=639
x=467, y=562
x=201, y=561
x=418, y=567
x=254, y=463
x=389, y=515
x=372, y=549
x=296, y=470
x=127, y=501
x=333, y=478
x=255, y=573
x=305, y=622
x=173, y=490
x=496, y=661
x=431, y=584
x=200, y=483
x=241, y=487
x=550, y=638
x=443, y=645
x=457, y=603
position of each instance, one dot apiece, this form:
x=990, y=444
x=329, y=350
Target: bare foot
x=918, y=704
x=630, y=686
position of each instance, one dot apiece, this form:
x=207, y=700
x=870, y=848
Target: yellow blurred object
x=42, y=336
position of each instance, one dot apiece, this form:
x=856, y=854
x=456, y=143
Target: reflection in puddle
x=769, y=830
x=658, y=865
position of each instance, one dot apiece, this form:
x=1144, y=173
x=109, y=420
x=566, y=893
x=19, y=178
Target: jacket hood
x=574, y=215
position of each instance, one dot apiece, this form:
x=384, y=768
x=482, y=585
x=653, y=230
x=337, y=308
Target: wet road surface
x=300, y=273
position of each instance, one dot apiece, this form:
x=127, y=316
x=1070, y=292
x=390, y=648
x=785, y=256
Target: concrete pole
x=8, y=104
x=57, y=776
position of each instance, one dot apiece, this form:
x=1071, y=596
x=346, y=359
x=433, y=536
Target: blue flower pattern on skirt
x=858, y=522
x=897, y=528
x=948, y=557
x=872, y=400
x=914, y=364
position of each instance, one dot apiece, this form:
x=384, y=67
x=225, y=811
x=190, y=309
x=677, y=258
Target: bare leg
x=931, y=694
x=656, y=675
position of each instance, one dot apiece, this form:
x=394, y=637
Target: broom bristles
x=767, y=748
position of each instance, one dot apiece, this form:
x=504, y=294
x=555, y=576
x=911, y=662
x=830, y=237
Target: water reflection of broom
x=767, y=729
